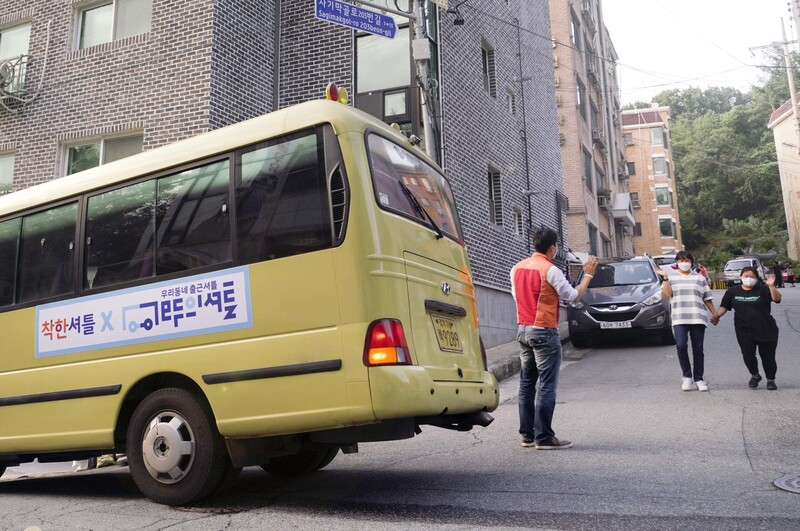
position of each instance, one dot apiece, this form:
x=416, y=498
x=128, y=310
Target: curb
x=508, y=364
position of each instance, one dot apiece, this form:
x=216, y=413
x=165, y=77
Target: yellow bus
x=268, y=293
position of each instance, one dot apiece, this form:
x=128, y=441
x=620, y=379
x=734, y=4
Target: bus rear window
x=392, y=165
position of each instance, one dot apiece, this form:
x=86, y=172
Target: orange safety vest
x=537, y=300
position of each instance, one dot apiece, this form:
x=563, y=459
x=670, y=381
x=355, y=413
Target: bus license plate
x=446, y=334
x=617, y=324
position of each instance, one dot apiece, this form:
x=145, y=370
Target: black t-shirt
x=752, y=311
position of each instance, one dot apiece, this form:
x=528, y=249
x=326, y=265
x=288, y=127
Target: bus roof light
x=386, y=344
x=334, y=92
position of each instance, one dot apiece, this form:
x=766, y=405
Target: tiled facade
x=207, y=63
x=652, y=181
x=600, y=219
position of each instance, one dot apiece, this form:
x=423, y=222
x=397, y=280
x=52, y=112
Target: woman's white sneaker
x=688, y=384
x=701, y=385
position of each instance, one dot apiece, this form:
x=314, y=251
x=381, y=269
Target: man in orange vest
x=537, y=285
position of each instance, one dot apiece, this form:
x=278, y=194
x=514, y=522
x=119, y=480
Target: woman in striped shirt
x=690, y=302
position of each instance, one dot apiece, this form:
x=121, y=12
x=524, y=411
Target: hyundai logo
x=613, y=307
x=445, y=288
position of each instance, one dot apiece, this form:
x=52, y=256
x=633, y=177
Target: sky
x=668, y=44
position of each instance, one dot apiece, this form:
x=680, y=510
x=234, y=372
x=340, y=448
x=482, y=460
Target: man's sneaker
x=754, y=379
x=553, y=444
x=527, y=443
x=687, y=384
x=701, y=385
x=771, y=385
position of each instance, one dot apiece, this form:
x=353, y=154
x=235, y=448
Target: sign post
x=355, y=17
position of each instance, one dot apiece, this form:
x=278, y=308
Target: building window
x=84, y=156
x=663, y=196
x=666, y=227
x=581, y=98
x=659, y=165
x=6, y=172
x=606, y=246
x=512, y=103
x=495, y=199
x=587, y=170
x=106, y=22
x=656, y=136
x=637, y=229
x=592, y=239
x=489, y=74
x=13, y=44
x=631, y=168
x=635, y=200
x=519, y=225
x=575, y=31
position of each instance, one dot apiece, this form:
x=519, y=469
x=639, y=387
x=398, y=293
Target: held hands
x=715, y=319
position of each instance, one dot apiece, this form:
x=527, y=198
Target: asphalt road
x=646, y=456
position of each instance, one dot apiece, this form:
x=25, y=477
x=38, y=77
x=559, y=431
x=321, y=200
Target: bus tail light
x=386, y=344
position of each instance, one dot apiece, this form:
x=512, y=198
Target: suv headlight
x=579, y=305
x=653, y=299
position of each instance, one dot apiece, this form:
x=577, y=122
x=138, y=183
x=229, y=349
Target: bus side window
x=46, y=253
x=193, y=227
x=9, y=245
x=119, y=235
x=282, y=200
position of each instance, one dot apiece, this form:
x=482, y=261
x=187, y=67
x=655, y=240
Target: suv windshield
x=734, y=265
x=393, y=165
x=622, y=274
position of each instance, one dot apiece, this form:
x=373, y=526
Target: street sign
x=355, y=17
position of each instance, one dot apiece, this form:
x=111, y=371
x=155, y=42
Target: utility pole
x=421, y=50
x=792, y=89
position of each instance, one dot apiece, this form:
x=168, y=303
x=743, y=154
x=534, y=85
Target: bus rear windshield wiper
x=420, y=209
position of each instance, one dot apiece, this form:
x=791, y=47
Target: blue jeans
x=538, y=380
x=697, y=333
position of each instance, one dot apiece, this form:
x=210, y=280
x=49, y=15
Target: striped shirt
x=689, y=293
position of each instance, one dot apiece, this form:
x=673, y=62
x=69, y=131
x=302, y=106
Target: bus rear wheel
x=175, y=453
x=302, y=463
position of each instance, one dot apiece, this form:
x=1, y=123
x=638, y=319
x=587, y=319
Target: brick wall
x=155, y=83
x=243, y=61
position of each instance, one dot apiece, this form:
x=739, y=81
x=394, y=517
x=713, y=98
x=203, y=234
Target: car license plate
x=446, y=334
x=616, y=324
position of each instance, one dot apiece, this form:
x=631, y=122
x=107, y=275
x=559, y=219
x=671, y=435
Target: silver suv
x=733, y=269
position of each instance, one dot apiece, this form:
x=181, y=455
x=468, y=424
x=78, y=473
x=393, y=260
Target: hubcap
x=168, y=447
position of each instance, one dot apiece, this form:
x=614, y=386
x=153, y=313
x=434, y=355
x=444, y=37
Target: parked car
x=625, y=294
x=733, y=269
x=664, y=259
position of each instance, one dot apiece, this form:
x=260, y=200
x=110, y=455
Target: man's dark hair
x=684, y=255
x=544, y=238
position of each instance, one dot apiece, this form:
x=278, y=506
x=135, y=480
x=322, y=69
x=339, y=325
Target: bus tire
x=300, y=464
x=175, y=453
x=2, y=470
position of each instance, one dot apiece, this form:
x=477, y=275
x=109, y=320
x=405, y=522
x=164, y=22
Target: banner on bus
x=200, y=304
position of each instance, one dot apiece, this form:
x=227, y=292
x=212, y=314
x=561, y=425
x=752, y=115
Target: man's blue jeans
x=682, y=334
x=538, y=380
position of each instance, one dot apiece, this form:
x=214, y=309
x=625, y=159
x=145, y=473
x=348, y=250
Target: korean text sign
x=200, y=304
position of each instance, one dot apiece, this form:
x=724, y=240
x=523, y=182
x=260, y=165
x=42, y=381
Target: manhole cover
x=790, y=483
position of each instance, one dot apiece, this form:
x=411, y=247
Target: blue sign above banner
x=356, y=17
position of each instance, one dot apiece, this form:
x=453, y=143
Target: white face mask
x=749, y=281
x=684, y=266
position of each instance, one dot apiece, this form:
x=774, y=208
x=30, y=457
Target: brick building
x=600, y=217
x=785, y=132
x=99, y=80
x=652, y=181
